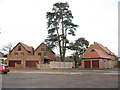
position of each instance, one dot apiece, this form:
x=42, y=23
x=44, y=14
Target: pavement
x=68, y=71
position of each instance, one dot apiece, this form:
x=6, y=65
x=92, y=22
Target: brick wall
x=29, y=56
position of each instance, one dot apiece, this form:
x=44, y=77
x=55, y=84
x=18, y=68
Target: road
x=60, y=79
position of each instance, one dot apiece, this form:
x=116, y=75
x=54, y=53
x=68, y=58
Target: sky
x=25, y=21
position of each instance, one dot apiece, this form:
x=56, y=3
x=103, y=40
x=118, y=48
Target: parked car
x=4, y=68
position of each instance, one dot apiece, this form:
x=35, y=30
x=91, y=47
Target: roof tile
x=105, y=48
x=28, y=48
x=96, y=54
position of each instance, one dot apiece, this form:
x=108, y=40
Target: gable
x=24, y=48
x=15, y=49
x=41, y=47
x=96, y=50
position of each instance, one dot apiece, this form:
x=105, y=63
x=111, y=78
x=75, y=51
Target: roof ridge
x=40, y=45
x=105, y=48
x=28, y=48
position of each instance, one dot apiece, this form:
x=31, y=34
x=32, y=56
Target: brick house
x=26, y=56
x=1, y=57
x=98, y=56
x=118, y=61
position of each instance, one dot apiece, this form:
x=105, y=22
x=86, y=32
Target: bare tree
x=7, y=48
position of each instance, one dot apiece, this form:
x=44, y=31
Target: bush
x=77, y=66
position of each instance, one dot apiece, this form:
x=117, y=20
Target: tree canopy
x=79, y=46
x=59, y=26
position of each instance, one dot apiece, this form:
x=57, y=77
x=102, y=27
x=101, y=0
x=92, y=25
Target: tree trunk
x=63, y=47
x=60, y=51
x=64, y=51
x=59, y=42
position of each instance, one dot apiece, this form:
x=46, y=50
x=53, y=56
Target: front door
x=46, y=61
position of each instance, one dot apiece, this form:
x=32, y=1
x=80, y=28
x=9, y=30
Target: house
x=98, y=56
x=1, y=57
x=118, y=61
x=26, y=56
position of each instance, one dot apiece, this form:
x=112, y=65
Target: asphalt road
x=60, y=79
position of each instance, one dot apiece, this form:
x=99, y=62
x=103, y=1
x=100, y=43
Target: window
x=109, y=53
x=92, y=50
x=16, y=53
x=22, y=53
x=19, y=48
x=42, y=49
x=39, y=54
x=45, y=54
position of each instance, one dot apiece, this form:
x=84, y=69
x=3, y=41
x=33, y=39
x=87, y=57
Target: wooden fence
x=61, y=64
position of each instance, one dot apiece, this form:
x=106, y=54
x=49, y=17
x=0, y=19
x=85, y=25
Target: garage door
x=31, y=64
x=86, y=64
x=95, y=64
x=12, y=63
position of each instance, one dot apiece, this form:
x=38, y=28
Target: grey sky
x=25, y=21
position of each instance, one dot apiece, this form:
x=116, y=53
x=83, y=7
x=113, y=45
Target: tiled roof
x=105, y=48
x=96, y=54
x=28, y=48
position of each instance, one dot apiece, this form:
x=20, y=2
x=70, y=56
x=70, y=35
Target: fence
x=108, y=64
x=61, y=64
x=41, y=66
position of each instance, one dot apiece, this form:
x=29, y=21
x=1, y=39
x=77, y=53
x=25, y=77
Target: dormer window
x=109, y=53
x=92, y=50
x=19, y=48
x=42, y=48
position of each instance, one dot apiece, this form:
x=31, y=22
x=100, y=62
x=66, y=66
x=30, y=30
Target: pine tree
x=59, y=26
